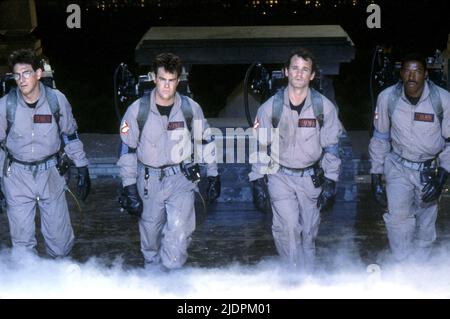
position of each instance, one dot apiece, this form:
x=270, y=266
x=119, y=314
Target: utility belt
x=36, y=166
x=315, y=171
x=307, y=171
x=163, y=171
x=417, y=166
x=427, y=169
x=190, y=170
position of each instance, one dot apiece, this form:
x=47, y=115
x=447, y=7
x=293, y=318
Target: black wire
x=7, y=77
x=246, y=92
x=372, y=96
x=2, y=88
x=116, y=104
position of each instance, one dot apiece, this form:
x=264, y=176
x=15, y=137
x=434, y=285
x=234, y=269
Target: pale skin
x=299, y=74
x=28, y=87
x=166, y=86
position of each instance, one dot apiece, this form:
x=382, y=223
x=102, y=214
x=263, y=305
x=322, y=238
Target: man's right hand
x=130, y=200
x=261, y=198
x=379, y=190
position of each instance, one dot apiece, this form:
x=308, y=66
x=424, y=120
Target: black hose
x=246, y=92
x=3, y=80
x=372, y=95
x=2, y=88
x=116, y=103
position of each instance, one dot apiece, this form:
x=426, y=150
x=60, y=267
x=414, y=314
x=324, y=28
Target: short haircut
x=414, y=56
x=24, y=56
x=305, y=55
x=169, y=61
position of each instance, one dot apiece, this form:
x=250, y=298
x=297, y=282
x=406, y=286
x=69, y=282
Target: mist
x=25, y=275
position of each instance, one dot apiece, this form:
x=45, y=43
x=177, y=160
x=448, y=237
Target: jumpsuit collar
x=176, y=104
x=423, y=97
x=41, y=100
x=308, y=101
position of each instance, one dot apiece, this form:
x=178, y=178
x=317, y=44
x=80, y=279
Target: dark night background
x=85, y=59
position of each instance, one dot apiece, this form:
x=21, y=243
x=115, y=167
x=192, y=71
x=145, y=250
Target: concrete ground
x=231, y=230
x=227, y=232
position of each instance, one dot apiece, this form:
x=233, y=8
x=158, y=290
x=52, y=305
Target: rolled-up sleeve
x=129, y=134
x=329, y=141
x=380, y=143
x=68, y=126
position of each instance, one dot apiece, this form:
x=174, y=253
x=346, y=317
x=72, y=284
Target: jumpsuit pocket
x=277, y=188
x=56, y=183
x=46, y=129
x=425, y=127
x=15, y=135
x=307, y=133
x=190, y=185
x=152, y=137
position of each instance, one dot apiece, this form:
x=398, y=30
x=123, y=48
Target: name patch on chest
x=307, y=123
x=424, y=117
x=174, y=125
x=41, y=118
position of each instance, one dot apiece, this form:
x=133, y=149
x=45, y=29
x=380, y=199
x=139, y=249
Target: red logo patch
x=40, y=118
x=256, y=125
x=124, y=128
x=307, y=123
x=424, y=117
x=174, y=125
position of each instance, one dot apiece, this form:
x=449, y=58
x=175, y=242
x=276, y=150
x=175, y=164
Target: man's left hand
x=84, y=183
x=433, y=189
x=326, y=197
x=214, y=186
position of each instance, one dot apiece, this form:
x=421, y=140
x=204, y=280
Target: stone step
x=102, y=153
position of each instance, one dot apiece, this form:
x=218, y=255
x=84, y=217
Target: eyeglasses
x=25, y=75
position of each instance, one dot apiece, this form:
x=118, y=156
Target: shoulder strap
x=436, y=101
x=144, y=109
x=278, y=102
x=11, y=106
x=54, y=104
x=394, y=96
x=187, y=111
x=317, y=103
x=434, y=96
x=277, y=107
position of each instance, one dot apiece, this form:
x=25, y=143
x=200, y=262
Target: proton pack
x=8, y=87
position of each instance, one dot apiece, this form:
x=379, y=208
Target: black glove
x=2, y=199
x=213, y=188
x=84, y=183
x=326, y=197
x=378, y=190
x=261, y=198
x=130, y=200
x=433, y=189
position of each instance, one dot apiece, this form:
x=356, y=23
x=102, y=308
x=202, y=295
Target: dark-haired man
x=34, y=121
x=411, y=147
x=156, y=165
x=304, y=160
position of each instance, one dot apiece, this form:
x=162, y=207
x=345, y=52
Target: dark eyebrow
x=24, y=71
x=163, y=78
x=414, y=69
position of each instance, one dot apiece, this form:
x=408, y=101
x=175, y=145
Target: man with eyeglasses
x=411, y=148
x=302, y=128
x=34, y=121
x=156, y=165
